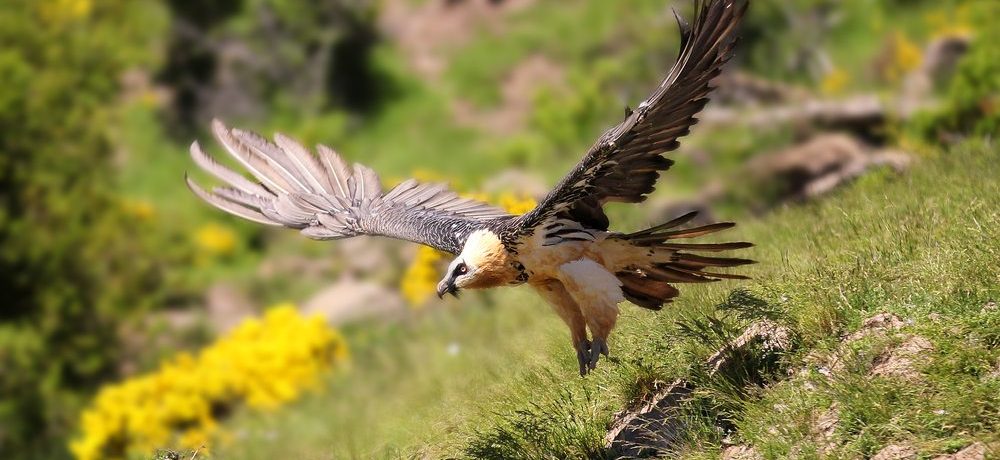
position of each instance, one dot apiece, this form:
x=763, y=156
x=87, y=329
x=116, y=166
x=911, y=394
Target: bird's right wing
x=325, y=198
x=625, y=162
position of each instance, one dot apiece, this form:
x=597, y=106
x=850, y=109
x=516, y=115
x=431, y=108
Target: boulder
x=349, y=300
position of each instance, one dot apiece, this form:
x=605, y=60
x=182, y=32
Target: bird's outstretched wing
x=624, y=163
x=325, y=198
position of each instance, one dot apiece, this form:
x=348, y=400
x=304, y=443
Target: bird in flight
x=562, y=248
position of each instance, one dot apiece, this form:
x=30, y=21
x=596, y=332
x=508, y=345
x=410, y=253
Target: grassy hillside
x=500, y=383
x=494, y=377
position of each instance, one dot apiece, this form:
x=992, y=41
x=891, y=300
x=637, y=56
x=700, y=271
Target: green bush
x=69, y=263
x=971, y=102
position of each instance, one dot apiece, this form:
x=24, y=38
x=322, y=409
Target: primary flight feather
x=562, y=248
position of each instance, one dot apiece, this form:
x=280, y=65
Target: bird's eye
x=461, y=269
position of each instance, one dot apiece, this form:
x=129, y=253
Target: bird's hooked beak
x=447, y=286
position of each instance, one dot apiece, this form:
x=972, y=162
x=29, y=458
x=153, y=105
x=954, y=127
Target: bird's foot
x=583, y=356
x=597, y=348
x=587, y=354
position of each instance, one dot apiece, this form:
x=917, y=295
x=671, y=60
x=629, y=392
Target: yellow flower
x=140, y=209
x=263, y=363
x=421, y=276
x=904, y=57
x=835, y=81
x=427, y=175
x=950, y=21
x=215, y=239
x=515, y=204
x=62, y=11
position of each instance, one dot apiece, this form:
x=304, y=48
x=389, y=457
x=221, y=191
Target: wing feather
x=624, y=163
x=336, y=169
x=307, y=166
x=231, y=207
x=325, y=198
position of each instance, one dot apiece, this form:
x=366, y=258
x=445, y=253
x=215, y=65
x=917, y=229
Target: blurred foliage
x=904, y=57
x=242, y=58
x=81, y=261
x=970, y=102
x=68, y=267
x=263, y=363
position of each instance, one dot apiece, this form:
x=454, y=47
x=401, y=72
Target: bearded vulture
x=562, y=248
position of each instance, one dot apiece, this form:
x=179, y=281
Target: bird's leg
x=583, y=355
x=569, y=311
x=597, y=292
x=601, y=320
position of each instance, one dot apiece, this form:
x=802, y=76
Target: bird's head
x=483, y=263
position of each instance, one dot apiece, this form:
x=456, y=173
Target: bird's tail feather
x=647, y=281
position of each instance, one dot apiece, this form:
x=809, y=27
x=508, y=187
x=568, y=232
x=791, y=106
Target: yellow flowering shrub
x=835, y=81
x=61, y=11
x=142, y=210
x=950, y=21
x=421, y=276
x=904, y=57
x=263, y=363
x=516, y=204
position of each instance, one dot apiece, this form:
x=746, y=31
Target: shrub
x=971, y=102
x=263, y=363
x=69, y=264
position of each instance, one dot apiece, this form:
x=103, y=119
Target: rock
x=665, y=211
x=815, y=167
x=824, y=428
x=367, y=256
x=876, y=324
x=895, y=159
x=833, y=362
x=896, y=452
x=348, y=300
x=940, y=59
x=861, y=114
x=747, y=89
x=771, y=336
x=653, y=427
x=975, y=451
x=226, y=306
x=741, y=452
x=901, y=361
x=302, y=267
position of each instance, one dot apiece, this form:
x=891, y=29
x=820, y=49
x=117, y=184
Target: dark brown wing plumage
x=624, y=164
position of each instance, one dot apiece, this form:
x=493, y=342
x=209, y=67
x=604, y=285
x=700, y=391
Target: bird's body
x=563, y=248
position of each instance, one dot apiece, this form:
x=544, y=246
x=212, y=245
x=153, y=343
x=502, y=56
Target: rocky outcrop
x=653, y=428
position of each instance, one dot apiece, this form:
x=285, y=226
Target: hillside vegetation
x=509, y=390
x=112, y=270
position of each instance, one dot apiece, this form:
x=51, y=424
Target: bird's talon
x=583, y=356
x=597, y=348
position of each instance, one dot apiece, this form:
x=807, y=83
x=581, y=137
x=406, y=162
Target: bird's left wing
x=325, y=198
x=624, y=164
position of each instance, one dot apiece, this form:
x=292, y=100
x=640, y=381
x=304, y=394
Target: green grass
x=512, y=391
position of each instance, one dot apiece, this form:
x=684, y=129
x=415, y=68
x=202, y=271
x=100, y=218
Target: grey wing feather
x=625, y=163
x=325, y=198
